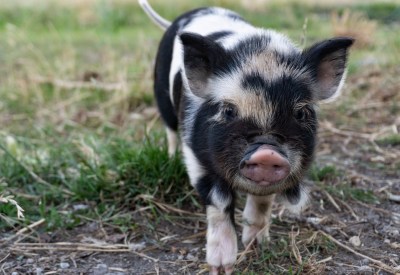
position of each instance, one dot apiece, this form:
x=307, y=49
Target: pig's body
x=244, y=100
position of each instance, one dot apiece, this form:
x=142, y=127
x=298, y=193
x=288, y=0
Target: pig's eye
x=230, y=111
x=300, y=115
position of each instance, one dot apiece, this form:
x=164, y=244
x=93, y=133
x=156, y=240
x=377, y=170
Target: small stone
x=64, y=265
x=180, y=257
x=189, y=256
x=365, y=270
x=355, y=241
x=386, y=241
x=30, y=261
x=38, y=271
x=365, y=261
x=80, y=207
x=395, y=232
x=15, y=273
x=102, y=266
x=137, y=246
x=397, y=268
x=192, y=258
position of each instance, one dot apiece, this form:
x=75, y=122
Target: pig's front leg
x=221, y=234
x=257, y=214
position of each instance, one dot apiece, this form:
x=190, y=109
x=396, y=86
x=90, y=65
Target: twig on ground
x=295, y=249
x=395, y=198
x=324, y=260
x=332, y=201
x=5, y=257
x=174, y=241
x=351, y=210
x=23, y=230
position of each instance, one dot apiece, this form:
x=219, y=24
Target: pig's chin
x=264, y=183
x=260, y=188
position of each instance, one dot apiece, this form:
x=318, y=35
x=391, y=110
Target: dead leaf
x=183, y=251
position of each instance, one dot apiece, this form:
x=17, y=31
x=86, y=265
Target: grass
x=105, y=148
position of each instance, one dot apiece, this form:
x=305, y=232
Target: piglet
x=245, y=102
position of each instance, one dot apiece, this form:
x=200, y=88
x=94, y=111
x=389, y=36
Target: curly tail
x=161, y=22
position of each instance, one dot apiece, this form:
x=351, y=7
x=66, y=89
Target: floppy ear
x=202, y=58
x=327, y=62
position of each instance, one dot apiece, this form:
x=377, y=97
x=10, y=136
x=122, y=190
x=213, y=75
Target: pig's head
x=254, y=106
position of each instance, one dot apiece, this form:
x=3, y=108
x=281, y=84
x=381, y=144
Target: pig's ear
x=201, y=58
x=327, y=62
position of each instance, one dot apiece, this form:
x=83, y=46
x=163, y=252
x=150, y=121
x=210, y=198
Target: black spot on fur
x=254, y=82
x=293, y=194
x=218, y=35
x=177, y=89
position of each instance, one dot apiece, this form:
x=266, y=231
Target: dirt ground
x=297, y=246
x=378, y=231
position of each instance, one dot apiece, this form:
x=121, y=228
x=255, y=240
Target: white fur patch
x=221, y=238
x=194, y=168
x=176, y=66
x=250, y=105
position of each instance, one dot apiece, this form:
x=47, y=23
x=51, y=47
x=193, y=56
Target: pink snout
x=265, y=167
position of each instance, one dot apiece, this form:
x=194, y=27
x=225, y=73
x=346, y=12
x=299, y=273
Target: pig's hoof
x=221, y=252
x=251, y=231
x=216, y=270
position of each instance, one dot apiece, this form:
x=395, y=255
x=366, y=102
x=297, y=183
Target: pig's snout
x=264, y=166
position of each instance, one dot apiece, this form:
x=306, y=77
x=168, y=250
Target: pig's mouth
x=264, y=164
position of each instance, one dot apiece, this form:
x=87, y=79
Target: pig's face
x=262, y=139
x=257, y=118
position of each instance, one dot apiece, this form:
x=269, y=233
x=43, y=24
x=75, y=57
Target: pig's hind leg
x=257, y=214
x=172, y=138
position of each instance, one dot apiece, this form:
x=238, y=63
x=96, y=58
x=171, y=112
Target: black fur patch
x=177, y=89
x=218, y=35
x=254, y=82
x=293, y=194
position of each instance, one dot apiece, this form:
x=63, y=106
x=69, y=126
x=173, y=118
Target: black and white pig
x=245, y=102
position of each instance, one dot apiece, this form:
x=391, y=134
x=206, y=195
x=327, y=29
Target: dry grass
x=9, y=199
x=355, y=25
